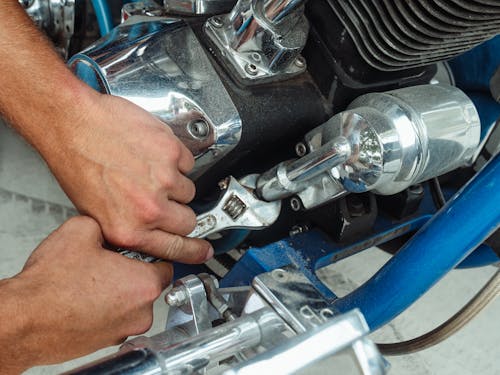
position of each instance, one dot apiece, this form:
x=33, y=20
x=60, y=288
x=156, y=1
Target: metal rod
x=326, y=157
x=285, y=179
x=435, y=250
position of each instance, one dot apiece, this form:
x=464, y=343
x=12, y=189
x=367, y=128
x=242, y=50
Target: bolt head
x=198, y=129
x=251, y=69
x=295, y=204
x=216, y=21
x=223, y=184
x=300, y=62
x=177, y=297
x=300, y=149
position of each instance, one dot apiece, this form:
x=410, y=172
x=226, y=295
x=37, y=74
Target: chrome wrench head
x=238, y=208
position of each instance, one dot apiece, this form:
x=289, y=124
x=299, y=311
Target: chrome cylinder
x=402, y=137
x=407, y=136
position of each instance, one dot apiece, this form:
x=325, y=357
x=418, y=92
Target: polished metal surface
x=295, y=176
x=294, y=298
x=312, y=348
x=159, y=64
x=149, y=8
x=237, y=208
x=198, y=7
x=190, y=317
x=55, y=17
x=408, y=136
x=261, y=40
x=402, y=137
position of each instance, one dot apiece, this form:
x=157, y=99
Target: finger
x=186, y=160
x=183, y=190
x=177, y=248
x=176, y=218
x=165, y=272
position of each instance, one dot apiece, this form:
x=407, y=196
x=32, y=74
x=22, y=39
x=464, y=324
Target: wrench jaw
x=238, y=208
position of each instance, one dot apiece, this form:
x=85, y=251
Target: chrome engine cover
x=160, y=65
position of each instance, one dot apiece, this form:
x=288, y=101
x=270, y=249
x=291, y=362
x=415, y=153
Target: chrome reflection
x=159, y=64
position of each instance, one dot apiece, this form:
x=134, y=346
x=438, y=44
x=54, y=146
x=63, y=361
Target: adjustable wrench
x=238, y=208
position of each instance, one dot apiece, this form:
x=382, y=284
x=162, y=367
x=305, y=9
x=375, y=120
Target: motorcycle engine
x=341, y=107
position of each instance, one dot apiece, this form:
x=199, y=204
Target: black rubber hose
x=437, y=193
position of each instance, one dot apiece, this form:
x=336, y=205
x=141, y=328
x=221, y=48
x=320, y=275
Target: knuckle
x=175, y=151
x=149, y=212
x=167, y=180
x=190, y=191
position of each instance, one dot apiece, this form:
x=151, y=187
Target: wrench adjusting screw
x=234, y=207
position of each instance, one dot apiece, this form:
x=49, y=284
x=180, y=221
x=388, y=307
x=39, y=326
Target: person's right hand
x=74, y=297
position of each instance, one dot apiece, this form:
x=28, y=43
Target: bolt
x=177, y=296
x=298, y=229
x=296, y=204
x=26, y=3
x=300, y=62
x=223, y=184
x=251, y=69
x=199, y=129
x=216, y=22
x=256, y=56
x=279, y=275
x=300, y=149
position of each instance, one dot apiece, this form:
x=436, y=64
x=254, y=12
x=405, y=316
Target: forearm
x=36, y=88
x=16, y=328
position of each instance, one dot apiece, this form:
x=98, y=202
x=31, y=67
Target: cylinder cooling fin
x=400, y=34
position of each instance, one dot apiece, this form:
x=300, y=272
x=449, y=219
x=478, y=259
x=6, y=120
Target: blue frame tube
x=451, y=235
x=103, y=15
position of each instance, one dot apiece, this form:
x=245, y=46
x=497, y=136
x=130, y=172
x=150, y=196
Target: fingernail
x=210, y=253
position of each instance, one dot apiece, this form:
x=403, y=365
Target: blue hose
x=103, y=15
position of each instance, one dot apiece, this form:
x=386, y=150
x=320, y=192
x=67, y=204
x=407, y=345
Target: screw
x=295, y=204
x=177, y=296
x=300, y=62
x=251, y=69
x=216, y=22
x=298, y=229
x=279, y=275
x=300, y=149
x=26, y=3
x=223, y=184
x=199, y=129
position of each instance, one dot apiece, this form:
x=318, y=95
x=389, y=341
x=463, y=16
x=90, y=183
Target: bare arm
x=117, y=163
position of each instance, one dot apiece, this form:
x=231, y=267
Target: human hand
x=74, y=297
x=126, y=169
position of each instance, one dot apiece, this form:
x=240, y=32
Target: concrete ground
x=32, y=205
